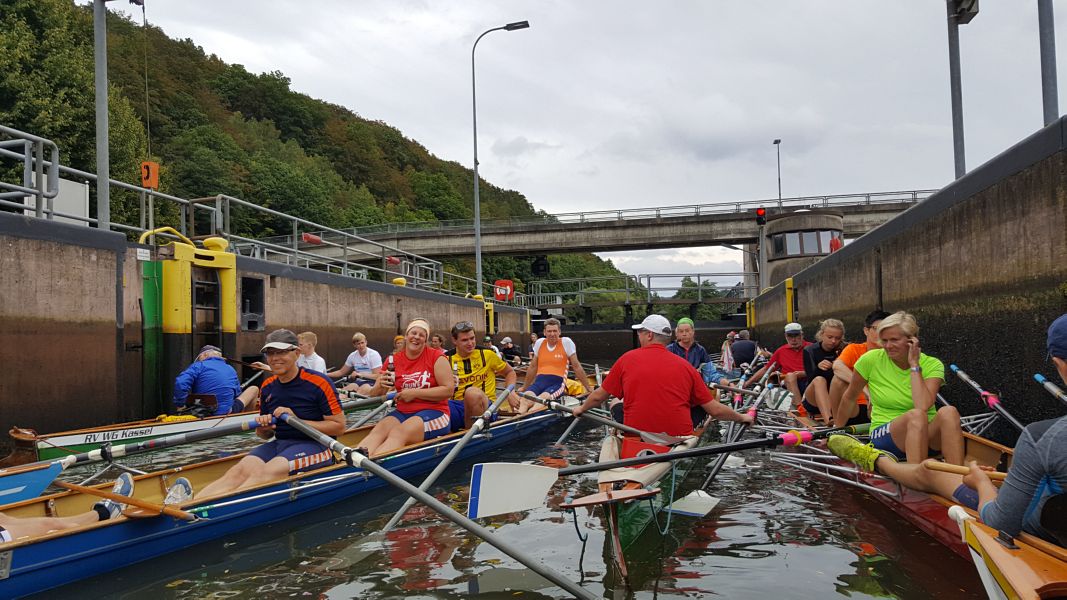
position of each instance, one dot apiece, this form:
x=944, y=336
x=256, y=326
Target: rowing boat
x=32, y=565
x=31, y=446
x=1034, y=569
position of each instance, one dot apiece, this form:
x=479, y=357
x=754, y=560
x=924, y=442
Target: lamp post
x=474, y=120
x=960, y=12
x=778, y=148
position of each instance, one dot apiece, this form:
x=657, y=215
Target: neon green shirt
x=890, y=385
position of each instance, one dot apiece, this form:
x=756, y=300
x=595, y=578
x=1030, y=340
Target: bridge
x=613, y=230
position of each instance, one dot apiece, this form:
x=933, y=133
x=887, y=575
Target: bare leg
x=910, y=432
x=791, y=385
x=249, y=398
x=275, y=469
x=946, y=435
x=843, y=408
x=406, y=433
x=34, y=526
x=820, y=392
x=918, y=477
x=380, y=433
x=475, y=402
x=234, y=478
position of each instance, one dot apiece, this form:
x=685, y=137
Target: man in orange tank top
x=552, y=354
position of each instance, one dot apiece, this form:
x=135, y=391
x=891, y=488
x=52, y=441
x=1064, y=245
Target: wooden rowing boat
x=32, y=565
x=1036, y=569
x=31, y=446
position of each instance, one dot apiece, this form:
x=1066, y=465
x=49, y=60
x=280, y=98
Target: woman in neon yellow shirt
x=903, y=384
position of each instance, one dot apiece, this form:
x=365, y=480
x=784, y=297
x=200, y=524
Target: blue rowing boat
x=33, y=565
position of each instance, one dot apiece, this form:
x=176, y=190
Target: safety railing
x=638, y=289
x=690, y=210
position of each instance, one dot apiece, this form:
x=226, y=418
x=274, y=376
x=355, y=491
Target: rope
x=577, y=529
x=667, y=526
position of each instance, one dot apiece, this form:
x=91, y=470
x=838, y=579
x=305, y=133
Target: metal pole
x=778, y=147
x=956, y=90
x=1046, y=27
x=103, y=169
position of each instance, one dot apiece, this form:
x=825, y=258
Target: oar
x=1051, y=388
x=363, y=401
x=500, y=488
x=151, y=506
x=475, y=427
x=735, y=390
x=740, y=431
x=244, y=364
x=357, y=460
x=653, y=438
x=936, y=465
x=991, y=399
x=31, y=480
x=370, y=415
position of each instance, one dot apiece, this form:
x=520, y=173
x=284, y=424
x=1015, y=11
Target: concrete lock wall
x=60, y=313
x=982, y=265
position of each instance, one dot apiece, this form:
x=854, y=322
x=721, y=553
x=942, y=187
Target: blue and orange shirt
x=309, y=395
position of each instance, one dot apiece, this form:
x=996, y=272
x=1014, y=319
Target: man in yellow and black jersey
x=477, y=370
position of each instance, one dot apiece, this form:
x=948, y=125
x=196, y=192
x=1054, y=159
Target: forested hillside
x=216, y=128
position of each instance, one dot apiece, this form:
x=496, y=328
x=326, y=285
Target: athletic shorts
x=457, y=414
x=302, y=454
x=435, y=423
x=552, y=384
x=966, y=497
x=881, y=440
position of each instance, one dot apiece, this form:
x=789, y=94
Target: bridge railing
x=637, y=289
x=627, y=214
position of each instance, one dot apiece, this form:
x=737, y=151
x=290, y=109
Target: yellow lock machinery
x=190, y=295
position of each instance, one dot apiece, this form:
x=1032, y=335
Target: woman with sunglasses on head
x=424, y=381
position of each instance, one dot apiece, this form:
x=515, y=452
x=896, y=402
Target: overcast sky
x=610, y=104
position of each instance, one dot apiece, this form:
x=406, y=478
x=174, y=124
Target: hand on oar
x=500, y=488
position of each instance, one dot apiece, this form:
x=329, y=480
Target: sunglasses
x=276, y=352
x=462, y=326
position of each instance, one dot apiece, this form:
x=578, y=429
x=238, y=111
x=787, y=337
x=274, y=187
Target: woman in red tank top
x=424, y=382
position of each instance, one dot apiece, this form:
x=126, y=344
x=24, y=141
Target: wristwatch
x=917, y=369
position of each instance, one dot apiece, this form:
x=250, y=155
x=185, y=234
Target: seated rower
x=511, y=352
x=686, y=346
x=14, y=528
x=790, y=361
x=290, y=390
x=903, y=384
x=477, y=369
x=659, y=389
x=818, y=368
x=364, y=362
x=424, y=382
x=309, y=359
x=1037, y=475
x=210, y=375
x=547, y=371
x=846, y=410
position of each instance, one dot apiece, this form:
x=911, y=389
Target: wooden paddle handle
x=936, y=465
x=158, y=508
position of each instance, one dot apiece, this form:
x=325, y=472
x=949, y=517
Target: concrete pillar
x=587, y=313
x=627, y=315
x=750, y=264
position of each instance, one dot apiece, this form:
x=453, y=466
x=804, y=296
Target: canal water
x=775, y=533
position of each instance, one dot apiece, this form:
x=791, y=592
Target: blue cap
x=1057, y=338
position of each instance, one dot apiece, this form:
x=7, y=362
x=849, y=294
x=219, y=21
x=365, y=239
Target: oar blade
x=500, y=488
x=697, y=504
x=29, y=484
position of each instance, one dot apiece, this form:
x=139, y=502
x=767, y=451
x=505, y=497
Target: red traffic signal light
x=761, y=216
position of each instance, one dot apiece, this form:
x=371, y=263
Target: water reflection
x=775, y=533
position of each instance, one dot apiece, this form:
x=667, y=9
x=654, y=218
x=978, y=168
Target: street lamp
x=474, y=106
x=778, y=148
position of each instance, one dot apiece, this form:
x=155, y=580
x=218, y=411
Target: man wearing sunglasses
x=295, y=391
x=477, y=370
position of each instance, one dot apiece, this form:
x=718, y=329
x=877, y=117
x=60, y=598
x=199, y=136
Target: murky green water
x=775, y=533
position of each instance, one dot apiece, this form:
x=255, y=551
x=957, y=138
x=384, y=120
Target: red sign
x=504, y=290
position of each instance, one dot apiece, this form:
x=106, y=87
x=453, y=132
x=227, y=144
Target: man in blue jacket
x=210, y=375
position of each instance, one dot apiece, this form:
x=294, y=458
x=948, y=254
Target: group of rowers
x=886, y=380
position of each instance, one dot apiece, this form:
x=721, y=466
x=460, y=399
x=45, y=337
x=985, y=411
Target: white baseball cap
x=794, y=328
x=656, y=324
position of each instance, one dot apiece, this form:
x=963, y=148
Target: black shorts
x=860, y=418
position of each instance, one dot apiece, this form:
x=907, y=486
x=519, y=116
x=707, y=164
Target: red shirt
x=790, y=359
x=658, y=388
x=418, y=374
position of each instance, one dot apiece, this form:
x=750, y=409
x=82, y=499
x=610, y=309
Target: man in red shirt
x=658, y=388
x=790, y=361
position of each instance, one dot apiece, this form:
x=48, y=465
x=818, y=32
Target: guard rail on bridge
x=645, y=289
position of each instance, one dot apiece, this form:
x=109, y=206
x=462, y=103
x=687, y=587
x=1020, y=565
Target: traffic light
x=761, y=216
